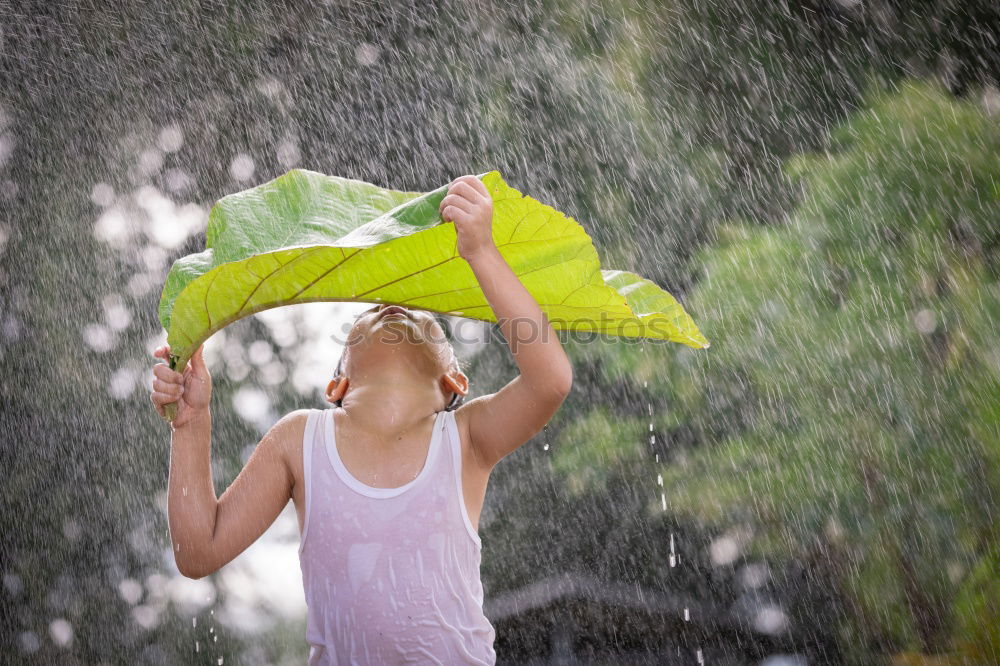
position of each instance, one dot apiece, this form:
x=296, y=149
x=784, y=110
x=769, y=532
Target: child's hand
x=469, y=205
x=191, y=390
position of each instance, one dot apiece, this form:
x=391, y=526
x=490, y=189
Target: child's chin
x=399, y=331
x=400, y=334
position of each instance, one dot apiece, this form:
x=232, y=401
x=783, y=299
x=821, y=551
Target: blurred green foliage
x=863, y=332
x=977, y=611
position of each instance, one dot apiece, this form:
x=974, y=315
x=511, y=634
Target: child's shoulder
x=296, y=419
x=287, y=433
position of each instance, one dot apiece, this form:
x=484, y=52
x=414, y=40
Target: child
x=389, y=483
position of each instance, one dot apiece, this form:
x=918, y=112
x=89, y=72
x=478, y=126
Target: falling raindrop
x=925, y=321
x=242, y=167
x=61, y=632
x=28, y=640
x=103, y=195
x=150, y=161
x=171, y=138
x=13, y=583
x=130, y=590
x=177, y=180
x=288, y=154
x=367, y=54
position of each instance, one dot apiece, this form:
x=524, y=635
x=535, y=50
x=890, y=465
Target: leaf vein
x=267, y=277
x=324, y=274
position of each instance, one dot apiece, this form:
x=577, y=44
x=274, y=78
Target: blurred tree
x=763, y=81
x=857, y=345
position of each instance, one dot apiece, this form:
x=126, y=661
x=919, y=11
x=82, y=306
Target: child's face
x=398, y=335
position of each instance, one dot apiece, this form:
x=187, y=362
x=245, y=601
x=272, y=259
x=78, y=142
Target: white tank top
x=391, y=575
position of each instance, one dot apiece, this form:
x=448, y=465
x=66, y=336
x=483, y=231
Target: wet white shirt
x=391, y=575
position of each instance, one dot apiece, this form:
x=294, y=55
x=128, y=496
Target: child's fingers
x=168, y=387
x=163, y=352
x=198, y=358
x=161, y=399
x=166, y=374
x=457, y=201
x=464, y=189
x=455, y=214
x=473, y=181
x=480, y=187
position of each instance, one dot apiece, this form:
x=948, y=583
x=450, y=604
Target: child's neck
x=385, y=410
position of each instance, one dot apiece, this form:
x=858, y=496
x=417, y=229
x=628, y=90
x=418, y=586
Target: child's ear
x=455, y=382
x=336, y=389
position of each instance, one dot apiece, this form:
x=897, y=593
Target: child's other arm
x=206, y=532
x=501, y=422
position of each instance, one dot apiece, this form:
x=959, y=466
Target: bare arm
x=207, y=533
x=546, y=375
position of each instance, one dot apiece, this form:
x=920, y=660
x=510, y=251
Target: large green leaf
x=307, y=237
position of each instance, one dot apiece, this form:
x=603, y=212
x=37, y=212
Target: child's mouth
x=393, y=310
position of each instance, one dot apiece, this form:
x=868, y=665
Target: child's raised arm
x=207, y=533
x=501, y=422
